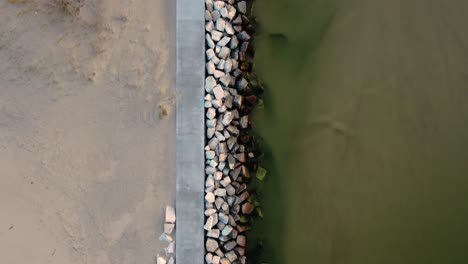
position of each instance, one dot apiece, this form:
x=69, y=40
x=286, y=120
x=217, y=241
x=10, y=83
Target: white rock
x=209, y=212
x=211, y=245
x=237, y=20
x=221, y=65
x=165, y=237
x=220, y=24
x=218, y=92
x=225, y=40
x=218, y=74
x=216, y=35
x=227, y=230
x=220, y=192
x=210, y=113
x=168, y=228
x=161, y=260
x=224, y=53
x=216, y=260
x=217, y=103
x=208, y=16
x=210, y=132
x=242, y=7
x=241, y=241
x=231, y=11
x=170, y=260
x=234, y=42
x=223, y=218
x=227, y=118
x=229, y=29
x=215, y=15
x=209, y=41
x=209, y=197
x=225, y=80
x=210, y=83
x=223, y=12
x=170, y=214
x=214, y=233
x=209, y=258
x=228, y=66
x=170, y=249
x=210, y=54
x=209, y=5
x=218, y=5
x=210, y=67
x=231, y=256
x=209, y=155
x=209, y=26
x=210, y=222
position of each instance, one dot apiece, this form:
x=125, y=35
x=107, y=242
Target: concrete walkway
x=190, y=130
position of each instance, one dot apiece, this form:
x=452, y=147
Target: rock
x=211, y=245
x=225, y=207
x=225, y=80
x=209, y=182
x=237, y=20
x=231, y=11
x=218, y=74
x=209, y=197
x=241, y=7
x=170, y=249
x=219, y=252
x=237, y=28
x=210, y=132
x=222, y=148
x=224, y=41
x=225, y=261
x=209, y=212
x=242, y=83
x=227, y=230
x=240, y=157
x=231, y=256
x=208, y=16
x=210, y=123
x=245, y=172
x=209, y=26
x=224, y=53
x=220, y=24
x=165, y=237
x=231, y=161
x=223, y=218
x=220, y=136
x=221, y=226
x=225, y=181
x=210, y=82
x=213, y=143
x=247, y=208
x=228, y=66
x=218, y=5
x=210, y=54
x=218, y=175
x=210, y=67
x=170, y=214
x=220, y=192
x=216, y=35
x=209, y=41
x=211, y=221
x=241, y=198
x=218, y=92
x=243, y=36
x=209, y=258
x=215, y=15
x=230, y=190
x=211, y=113
x=168, y=228
x=241, y=241
x=244, y=46
x=213, y=233
x=222, y=109
x=240, y=251
x=161, y=260
x=217, y=103
x=234, y=42
x=227, y=118
x=223, y=12
x=229, y=29
x=216, y=260
x=219, y=202
x=209, y=155
x=221, y=64
x=230, y=245
x=209, y=5
x=170, y=260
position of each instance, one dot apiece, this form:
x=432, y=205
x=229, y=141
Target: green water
x=366, y=131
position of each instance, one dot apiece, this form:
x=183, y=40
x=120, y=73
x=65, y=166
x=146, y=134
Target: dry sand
x=86, y=152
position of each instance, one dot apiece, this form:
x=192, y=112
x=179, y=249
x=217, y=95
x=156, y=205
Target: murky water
x=366, y=128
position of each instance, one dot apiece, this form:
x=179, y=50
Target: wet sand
x=366, y=123
x=87, y=131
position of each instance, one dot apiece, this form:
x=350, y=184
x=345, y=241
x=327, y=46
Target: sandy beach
x=87, y=130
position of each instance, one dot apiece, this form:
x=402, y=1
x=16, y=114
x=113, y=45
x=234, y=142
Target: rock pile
x=228, y=31
x=166, y=236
